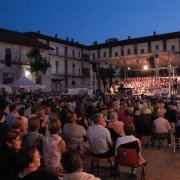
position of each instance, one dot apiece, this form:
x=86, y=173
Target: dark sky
x=91, y=20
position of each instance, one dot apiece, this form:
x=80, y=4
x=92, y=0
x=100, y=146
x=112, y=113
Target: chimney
x=67, y=39
x=72, y=40
x=56, y=36
x=154, y=33
x=129, y=37
x=38, y=31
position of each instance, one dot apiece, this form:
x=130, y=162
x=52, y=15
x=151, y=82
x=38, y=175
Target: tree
x=38, y=64
x=106, y=74
x=111, y=73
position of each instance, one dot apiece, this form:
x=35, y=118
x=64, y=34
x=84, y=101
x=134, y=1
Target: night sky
x=91, y=20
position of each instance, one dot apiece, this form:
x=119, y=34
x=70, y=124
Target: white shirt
x=98, y=138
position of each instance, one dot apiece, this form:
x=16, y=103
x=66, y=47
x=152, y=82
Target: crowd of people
x=146, y=85
x=44, y=135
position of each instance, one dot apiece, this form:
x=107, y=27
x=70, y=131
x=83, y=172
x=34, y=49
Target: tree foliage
x=38, y=64
x=105, y=74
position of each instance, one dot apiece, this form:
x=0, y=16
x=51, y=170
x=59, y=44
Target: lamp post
x=156, y=67
x=169, y=71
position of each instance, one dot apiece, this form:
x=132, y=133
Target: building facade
x=71, y=62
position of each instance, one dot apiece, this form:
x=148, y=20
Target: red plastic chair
x=129, y=158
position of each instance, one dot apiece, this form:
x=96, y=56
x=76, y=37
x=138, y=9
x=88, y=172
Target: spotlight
x=145, y=67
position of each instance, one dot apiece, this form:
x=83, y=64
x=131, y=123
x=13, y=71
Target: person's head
x=160, y=113
x=48, y=110
x=99, y=119
x=72, y=117
x=34, y=124
x=12, y=108
x=18, y=124
x=71, y=161
x=113, y=116
x=131, y=109
x=54, y=126
x=110, y=109
x=80, y=113
x=147, y=111
x=4, y=106
x=41, y=112
x=129, y=129
x=2, y=116
x=33, y=109
x=22, y=112
x=116, y=105
x=126, y=112
x=30, y=159
x=13, y=140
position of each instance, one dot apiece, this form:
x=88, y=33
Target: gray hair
x=113, y=116
x=96, y=117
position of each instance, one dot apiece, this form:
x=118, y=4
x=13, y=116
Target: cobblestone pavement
x=162, y=164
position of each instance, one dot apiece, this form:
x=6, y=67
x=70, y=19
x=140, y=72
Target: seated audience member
x=81, y=120
x=143, y=123
x=4, y=106
x=73, y=134
x=73, y=167
x=177, y=133
x=171, y=114
x=116, y=106
x=4, y=129
x=99, y=138
x=127, y=118
x=109, y=111
x=33, y=111
x=10, y=116
x=33, y=138
x=19, y=125
x=10, y=155
x=162, y=128
x=115, y=127
x=129, y=141
x=54, y=146
x=23, y=114
x=177, y=129
x=42, y=118
x=30, y=162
